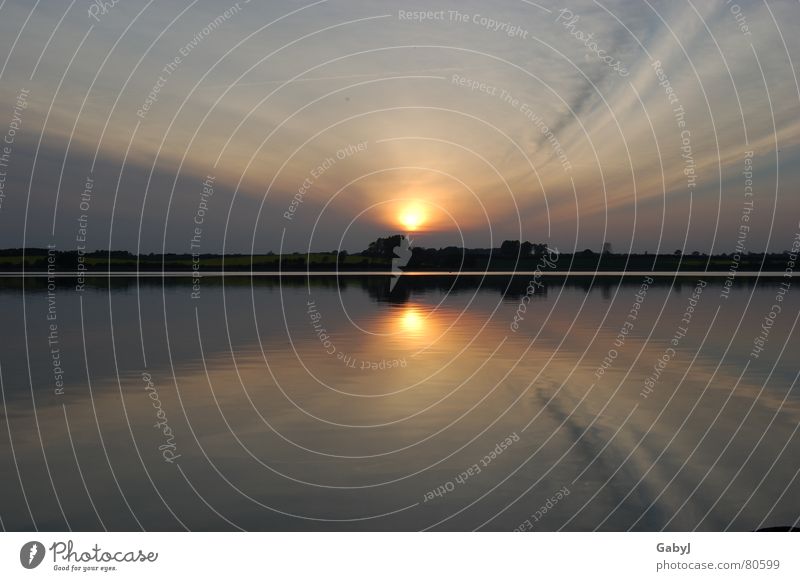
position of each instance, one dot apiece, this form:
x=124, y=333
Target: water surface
x=454, y=403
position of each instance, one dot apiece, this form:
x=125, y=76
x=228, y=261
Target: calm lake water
x=334, y=404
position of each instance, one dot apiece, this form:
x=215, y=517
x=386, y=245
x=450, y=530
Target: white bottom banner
x=402, y=556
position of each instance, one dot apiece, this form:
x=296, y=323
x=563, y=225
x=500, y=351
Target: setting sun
x=412, y=217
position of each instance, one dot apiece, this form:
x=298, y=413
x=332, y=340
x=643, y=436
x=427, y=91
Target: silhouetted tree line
x=512, y=255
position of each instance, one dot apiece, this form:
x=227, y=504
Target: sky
x=198, y=126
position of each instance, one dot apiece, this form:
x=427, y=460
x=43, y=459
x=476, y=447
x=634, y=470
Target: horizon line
x=295, y=273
